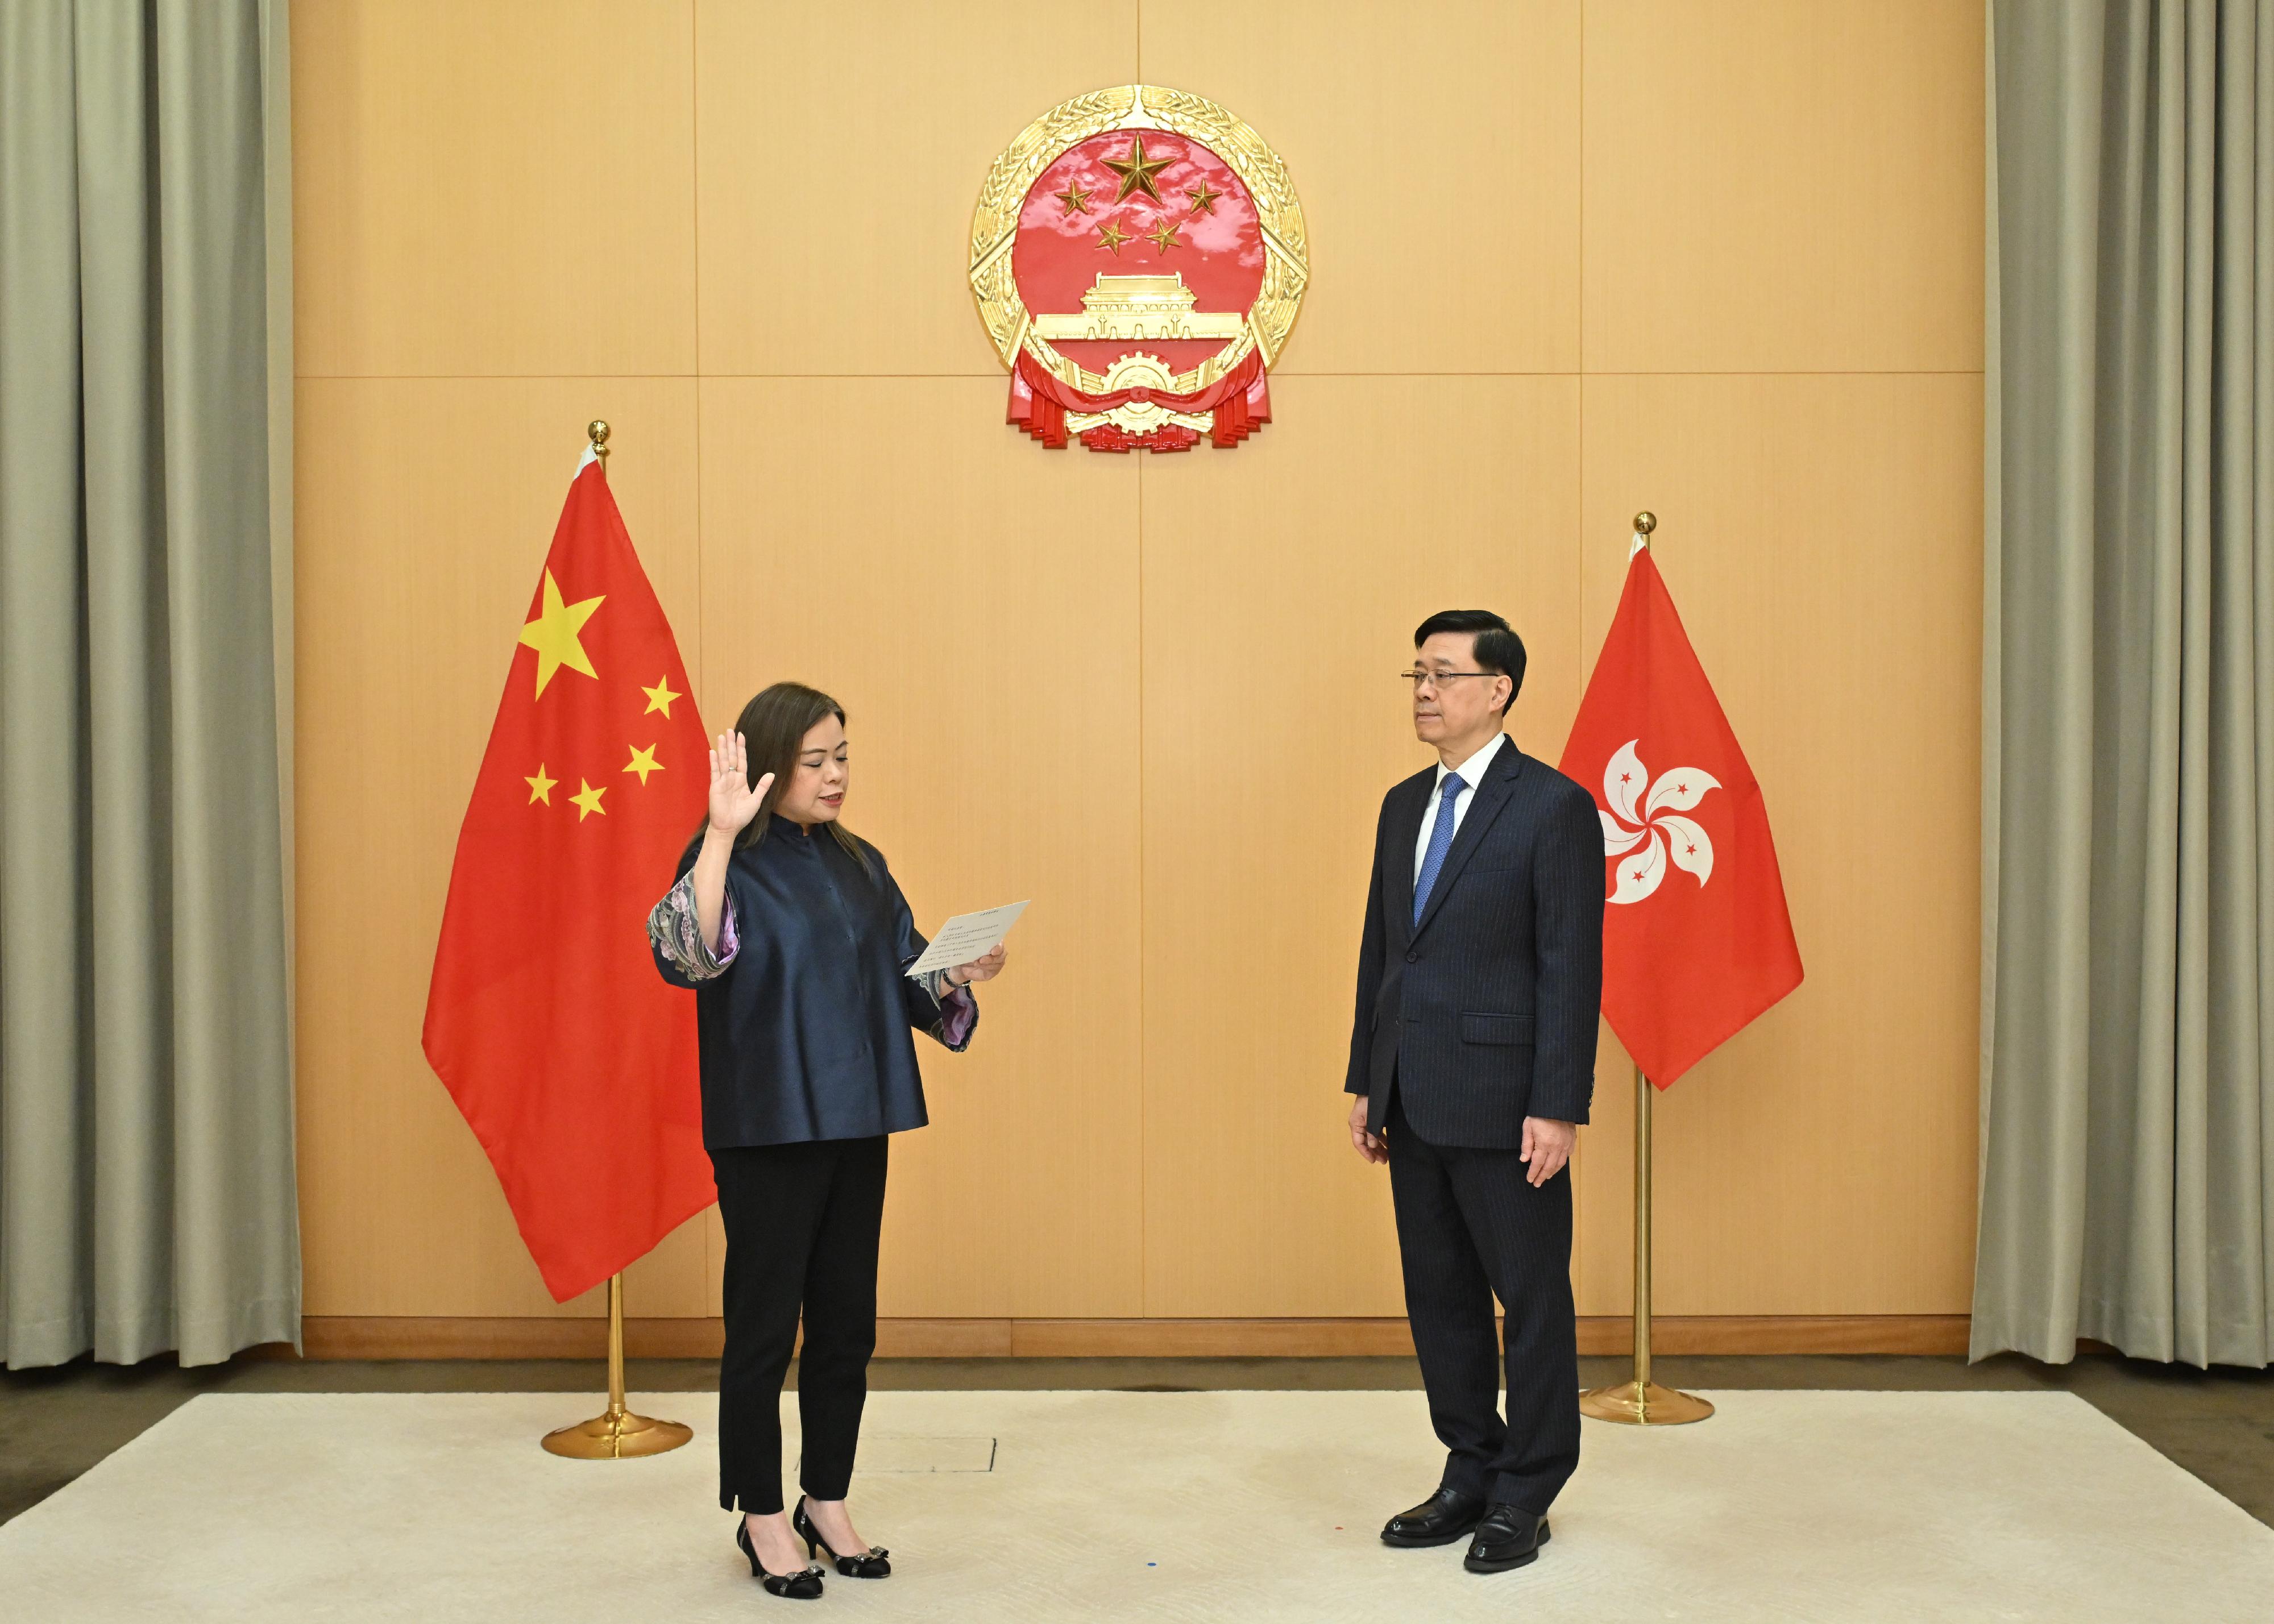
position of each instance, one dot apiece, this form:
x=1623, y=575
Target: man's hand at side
x=1546, y=1148
x=1370, y=1145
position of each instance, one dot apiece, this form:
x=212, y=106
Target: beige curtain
x=147, y=1194
x=2128, y=1079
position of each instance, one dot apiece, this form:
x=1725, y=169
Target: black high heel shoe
x=803, y=1585
x=870, y=1564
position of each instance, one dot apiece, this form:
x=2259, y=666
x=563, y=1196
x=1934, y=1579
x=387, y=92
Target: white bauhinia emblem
x=1645, y=836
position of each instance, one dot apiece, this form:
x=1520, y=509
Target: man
x=1480, y=979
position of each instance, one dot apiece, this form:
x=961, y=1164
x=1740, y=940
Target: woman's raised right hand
x=735, y=800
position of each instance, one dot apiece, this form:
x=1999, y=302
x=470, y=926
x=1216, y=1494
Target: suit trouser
x=801, y=1226
x=1470, y=1227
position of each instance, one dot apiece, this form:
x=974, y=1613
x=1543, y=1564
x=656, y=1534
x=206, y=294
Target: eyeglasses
x=1438, y=679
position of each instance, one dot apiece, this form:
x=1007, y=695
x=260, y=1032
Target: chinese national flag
x=1696, y=938
x=573, y=1061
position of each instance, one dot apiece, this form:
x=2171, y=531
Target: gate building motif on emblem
x=1139, y=258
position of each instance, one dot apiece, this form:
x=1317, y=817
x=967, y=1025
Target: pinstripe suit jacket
x=1484, y=1011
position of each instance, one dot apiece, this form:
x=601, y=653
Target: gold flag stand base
x=1643, y=1404
x=616, y=1433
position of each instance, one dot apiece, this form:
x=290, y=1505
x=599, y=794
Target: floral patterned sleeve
x=677, y=930
x=958, y=1011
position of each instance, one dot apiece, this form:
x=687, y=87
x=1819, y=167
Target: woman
x=794, y=937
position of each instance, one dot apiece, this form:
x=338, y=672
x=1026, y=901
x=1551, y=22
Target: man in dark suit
x=1480, y=979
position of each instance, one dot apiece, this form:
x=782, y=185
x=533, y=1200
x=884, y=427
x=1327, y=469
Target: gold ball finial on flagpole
x=596, y=430
x=1646, y=522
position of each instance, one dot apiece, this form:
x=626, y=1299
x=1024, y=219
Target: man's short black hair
x=1498, y=647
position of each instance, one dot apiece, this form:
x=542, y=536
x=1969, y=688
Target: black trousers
x=1469, y=1228
x=801, y=1225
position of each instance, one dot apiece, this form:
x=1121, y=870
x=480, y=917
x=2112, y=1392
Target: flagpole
x=1641, y=1401
x=616, y=1433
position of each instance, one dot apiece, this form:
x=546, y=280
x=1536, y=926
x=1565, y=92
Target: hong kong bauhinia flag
x=572, y=1060
x=1696, y=941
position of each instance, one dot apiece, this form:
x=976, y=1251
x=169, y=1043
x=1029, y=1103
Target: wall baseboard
x=407, y=1337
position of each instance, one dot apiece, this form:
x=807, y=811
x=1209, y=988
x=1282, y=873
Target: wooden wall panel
x=1281, y=592
x=424, y=511
x=1784, y=185
x=1436, y=150
x=842, y=149
x=972, y=600
x=505, y=188
x=1822, y=537
x=502, y=212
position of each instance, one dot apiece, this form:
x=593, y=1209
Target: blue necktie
x=1440, y=841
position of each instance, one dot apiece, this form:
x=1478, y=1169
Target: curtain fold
x=2127, y=1142
x=146, y=1185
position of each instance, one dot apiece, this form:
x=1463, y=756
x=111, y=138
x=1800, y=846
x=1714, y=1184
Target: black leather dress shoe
x=1438, y=1521
x=1508, y=1538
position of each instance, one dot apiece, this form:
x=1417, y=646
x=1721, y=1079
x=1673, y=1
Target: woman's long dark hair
x=773, y=726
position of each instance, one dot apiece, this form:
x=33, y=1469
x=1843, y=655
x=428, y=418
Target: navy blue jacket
x=1485, y=1011
x=806, y=1034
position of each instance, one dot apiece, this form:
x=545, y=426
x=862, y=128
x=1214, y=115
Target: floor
x=2217, y=1425
x=1083, y=1507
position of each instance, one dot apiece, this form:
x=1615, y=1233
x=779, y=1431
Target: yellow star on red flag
x=659, y=696
x=587, y=802
x=553, y=635
x=644, y=762
x=540, y=788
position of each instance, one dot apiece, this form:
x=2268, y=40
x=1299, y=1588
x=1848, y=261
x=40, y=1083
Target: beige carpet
x=1052, y=1506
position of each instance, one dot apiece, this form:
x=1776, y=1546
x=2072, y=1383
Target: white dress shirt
x=1472, y=773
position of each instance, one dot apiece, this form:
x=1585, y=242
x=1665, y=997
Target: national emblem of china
x=1139, y=258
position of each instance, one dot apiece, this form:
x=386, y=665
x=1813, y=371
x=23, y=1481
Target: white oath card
x=966, y=937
